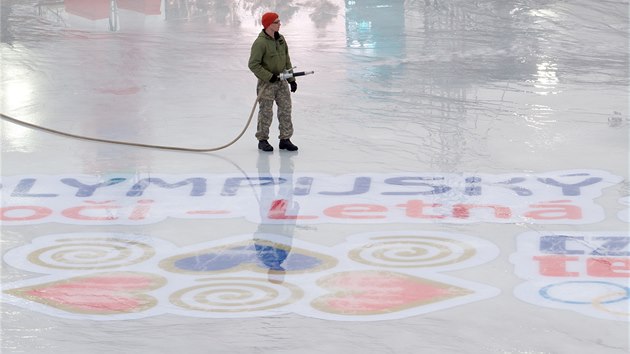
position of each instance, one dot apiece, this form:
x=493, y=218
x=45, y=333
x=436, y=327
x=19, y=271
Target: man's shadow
x=278, y=215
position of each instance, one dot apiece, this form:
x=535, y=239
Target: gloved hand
x=274, y=78
x=293, y=86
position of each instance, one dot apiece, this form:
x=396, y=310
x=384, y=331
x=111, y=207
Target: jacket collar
x=277, y=35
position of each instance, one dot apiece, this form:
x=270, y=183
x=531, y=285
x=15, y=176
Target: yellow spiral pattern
x=233, y=295
x=412, y=251
x=91, y=253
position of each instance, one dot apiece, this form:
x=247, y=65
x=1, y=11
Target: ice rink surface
x=461, y=184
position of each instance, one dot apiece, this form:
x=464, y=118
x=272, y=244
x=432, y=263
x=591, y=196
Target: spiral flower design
x=233, y=295
x=91, y=253
x=412, y=252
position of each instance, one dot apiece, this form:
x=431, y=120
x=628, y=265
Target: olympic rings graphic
x=595, y=293
x=598, y=303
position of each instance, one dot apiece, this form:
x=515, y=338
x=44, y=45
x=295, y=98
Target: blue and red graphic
x=586, y=272
x=565, y=197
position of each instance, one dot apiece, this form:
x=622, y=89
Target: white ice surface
x=457, y=88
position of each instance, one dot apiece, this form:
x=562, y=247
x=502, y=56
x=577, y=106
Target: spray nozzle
x=287, y=74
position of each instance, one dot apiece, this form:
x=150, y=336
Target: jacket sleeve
x=255, y=61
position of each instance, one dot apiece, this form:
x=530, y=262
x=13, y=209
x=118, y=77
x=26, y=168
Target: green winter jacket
x=269, y=56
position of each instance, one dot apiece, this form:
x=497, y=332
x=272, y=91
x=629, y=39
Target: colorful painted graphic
x=585, y=272
x=561, y=197
x=374, y=276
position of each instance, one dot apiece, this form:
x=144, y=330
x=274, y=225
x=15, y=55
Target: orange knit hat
x=268, y=18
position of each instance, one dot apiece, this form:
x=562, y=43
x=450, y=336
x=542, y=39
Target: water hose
x=127, y=143
x=285, y=75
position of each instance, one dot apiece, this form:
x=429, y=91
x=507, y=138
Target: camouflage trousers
x=280, y=93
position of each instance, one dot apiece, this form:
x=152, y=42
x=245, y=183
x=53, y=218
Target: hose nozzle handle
x=287, y=74
x=302, y=73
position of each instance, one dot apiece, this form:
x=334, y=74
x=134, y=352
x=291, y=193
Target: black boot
x=287, y=144
x=264, y=145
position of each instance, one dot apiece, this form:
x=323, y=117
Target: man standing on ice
x=269, y=57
